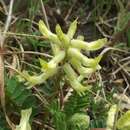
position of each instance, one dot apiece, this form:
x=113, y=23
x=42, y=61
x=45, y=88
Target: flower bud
x=62, y=37
x=84, y=71
x=47, y=33
x=78, y=87
x=43, y=29
x=92, y=46
x=73, y=80
x=88, y=62
x=95, y=45
x=69, y=71
x=33, y=80
x=72, y=29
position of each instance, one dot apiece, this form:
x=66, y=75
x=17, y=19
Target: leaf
x=3, y=123
x=58, y=116
x=76, y=103
x=19, y=94
x=123, y=19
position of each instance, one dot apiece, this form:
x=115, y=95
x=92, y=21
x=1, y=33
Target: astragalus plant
x=68, y=57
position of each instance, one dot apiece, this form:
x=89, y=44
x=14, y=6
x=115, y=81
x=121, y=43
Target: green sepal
x=43, y=64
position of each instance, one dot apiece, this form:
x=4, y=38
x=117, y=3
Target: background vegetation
x=54, y=103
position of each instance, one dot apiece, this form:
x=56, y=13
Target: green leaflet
x=24, y=121
x=124, y=122
x=63, y=120
x=58, y=116
x=18, y=94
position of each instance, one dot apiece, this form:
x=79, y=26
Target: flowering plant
x=68, y=56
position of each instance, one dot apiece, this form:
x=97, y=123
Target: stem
x=2, y=82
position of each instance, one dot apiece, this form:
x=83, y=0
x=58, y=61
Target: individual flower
x=24, y=121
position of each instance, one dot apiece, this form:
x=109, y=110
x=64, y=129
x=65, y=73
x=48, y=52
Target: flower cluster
x=68, y=56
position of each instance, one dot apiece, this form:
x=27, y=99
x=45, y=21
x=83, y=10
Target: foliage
x=19, y=95
x=62, y=119
x=59, y=81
